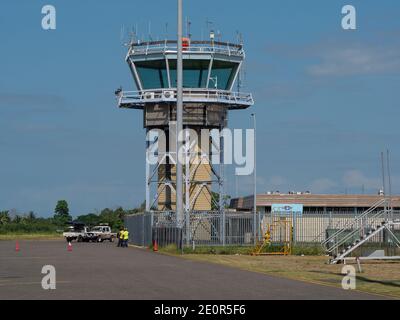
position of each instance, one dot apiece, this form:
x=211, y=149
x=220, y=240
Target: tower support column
x=221, y=186
x=179, y=121
x=148, y=146
x=187, y=185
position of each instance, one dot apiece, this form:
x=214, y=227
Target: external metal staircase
x=358, y=231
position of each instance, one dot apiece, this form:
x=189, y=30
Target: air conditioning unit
x=149, y=95
x=168, y=95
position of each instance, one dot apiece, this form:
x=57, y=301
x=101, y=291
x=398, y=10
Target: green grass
x=311, y=250
x=308, y=250
x=31, y=236
x=217, y=250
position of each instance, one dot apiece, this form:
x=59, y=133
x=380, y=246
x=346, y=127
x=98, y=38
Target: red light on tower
x=185, y=43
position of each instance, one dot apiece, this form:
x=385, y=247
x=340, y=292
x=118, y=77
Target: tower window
x=222, y=74
x=195, y=73
x=153, y=74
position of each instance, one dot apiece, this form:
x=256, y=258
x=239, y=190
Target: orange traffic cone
x=69, y=246
x=17, y=249
x=155, y=247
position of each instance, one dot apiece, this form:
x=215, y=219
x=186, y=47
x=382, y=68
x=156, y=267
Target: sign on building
x=287, y=209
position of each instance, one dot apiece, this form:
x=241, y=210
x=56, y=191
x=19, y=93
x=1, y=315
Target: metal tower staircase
x=358, y=231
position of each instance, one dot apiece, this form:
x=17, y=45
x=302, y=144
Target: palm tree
x=31, y=216
x=4, y=218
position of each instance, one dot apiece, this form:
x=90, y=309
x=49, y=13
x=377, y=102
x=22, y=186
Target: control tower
x=210, y=71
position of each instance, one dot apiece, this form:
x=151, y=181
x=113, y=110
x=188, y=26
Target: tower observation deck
x=210, y=71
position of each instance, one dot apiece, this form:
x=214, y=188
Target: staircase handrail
x=353, y=232
x=354, y=221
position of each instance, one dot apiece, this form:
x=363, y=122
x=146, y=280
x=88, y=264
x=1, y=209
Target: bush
x=29, y=223
x=34, y=226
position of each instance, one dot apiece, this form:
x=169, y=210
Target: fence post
x=223, y=228
x=144, y=230
x=294, y=227
x=151, y=226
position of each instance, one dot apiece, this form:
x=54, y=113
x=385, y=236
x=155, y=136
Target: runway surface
x=103, y=271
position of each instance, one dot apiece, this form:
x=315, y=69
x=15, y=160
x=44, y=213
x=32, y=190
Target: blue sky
x=326, y=99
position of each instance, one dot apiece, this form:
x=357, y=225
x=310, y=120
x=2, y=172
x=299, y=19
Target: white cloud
x=340, y=57
x=356, y=179
x=245, y=184
x=32, y=102
x=356, y=60
x=322, y=185
x=276, y=183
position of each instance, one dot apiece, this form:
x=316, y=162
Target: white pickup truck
x=103, y=232
x=80, y=233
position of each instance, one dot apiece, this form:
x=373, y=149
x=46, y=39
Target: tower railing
x=194, y=46
x=125, y=98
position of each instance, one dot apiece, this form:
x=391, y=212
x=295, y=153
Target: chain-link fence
x=140, y=229
x=204, y=228
x=316, y=227
x=239, y=229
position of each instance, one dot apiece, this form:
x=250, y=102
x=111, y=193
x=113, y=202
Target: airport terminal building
x=312, y=203
x=314, y=217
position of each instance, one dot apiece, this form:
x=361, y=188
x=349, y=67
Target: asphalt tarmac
x=103, y=271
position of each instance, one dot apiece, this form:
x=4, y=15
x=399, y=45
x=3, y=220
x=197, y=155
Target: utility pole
x=383, y=179
x=390, y=183
x=255, y=180
x=179, y=121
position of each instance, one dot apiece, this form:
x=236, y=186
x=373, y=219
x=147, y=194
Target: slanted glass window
x=195, y=73
x=153, y=74
x=222, y=74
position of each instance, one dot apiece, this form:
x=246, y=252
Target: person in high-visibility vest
x=120, y=237
x=126, y=238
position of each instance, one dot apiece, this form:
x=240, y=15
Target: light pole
x=179, y=120
x=390, y=184
x=255, y=179
x=383, y=180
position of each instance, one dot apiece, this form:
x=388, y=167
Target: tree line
x=29, y=223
